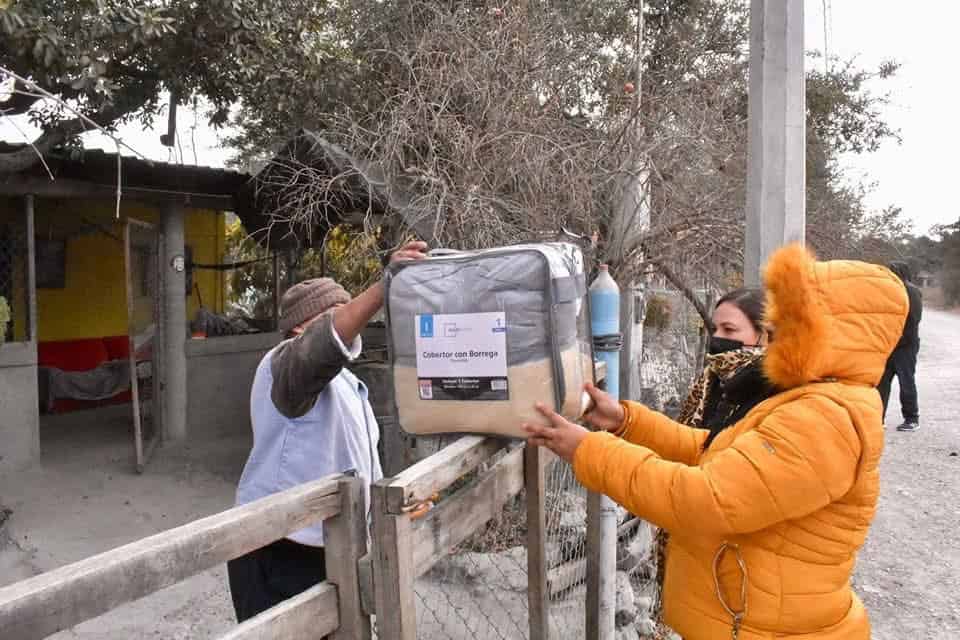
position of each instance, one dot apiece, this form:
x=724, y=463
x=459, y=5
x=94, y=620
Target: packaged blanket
x=477, y=338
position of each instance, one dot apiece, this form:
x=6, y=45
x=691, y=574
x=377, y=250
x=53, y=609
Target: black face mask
x=720, y=345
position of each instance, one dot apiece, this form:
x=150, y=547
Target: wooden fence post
x=394, y=572
x=601, y=567
x=345, y=537
x=538, y=592
x=63, y=598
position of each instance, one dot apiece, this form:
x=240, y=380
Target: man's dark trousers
x=268, y=576
x=903, y=365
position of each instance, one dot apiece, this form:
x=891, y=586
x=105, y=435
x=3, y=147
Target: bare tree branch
x=20, y=101
x=680, y=285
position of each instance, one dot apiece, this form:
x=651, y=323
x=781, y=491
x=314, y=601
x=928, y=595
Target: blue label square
x=426, y=326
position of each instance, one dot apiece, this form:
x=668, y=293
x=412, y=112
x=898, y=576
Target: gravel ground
x=908, y=572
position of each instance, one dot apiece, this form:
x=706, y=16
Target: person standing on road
x=903, y=360
x=765, y=524
x=311, y=418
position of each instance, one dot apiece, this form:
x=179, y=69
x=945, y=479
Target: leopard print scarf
x=721, y=366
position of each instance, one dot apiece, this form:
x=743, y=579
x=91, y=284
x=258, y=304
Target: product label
x=462, y=356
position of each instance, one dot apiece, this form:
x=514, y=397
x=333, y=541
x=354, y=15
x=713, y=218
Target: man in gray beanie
x=311, y=418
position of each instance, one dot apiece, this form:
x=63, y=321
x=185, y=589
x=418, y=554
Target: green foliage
x=118, y=59
x=659, y=313
x=950, y=275
x=389, y=80
x=351, y=260
x=249, y=289
x=843, y=112
x=923, y=253
x=843, y=116
x=515, y=123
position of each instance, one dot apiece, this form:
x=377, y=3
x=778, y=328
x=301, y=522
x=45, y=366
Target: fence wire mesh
x=14, y=289
x=566, y=520
x=480, y=589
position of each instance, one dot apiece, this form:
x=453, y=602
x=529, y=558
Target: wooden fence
x=65, y=597
x=406, y=544
x=405, y=548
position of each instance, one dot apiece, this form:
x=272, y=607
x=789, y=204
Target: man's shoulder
x=267, y=358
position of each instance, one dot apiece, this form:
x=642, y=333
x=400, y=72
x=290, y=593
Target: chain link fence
x=14, y=289
x=480, y=589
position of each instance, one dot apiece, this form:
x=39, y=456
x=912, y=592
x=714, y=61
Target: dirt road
x=908, y=574
x=909, y=571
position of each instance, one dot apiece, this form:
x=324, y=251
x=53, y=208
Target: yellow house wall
x=93, y=303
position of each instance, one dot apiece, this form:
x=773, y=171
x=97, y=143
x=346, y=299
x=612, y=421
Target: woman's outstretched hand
x=605, y=413
x=562, y=437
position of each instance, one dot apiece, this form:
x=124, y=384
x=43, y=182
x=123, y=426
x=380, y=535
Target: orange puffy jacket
x=765, y=525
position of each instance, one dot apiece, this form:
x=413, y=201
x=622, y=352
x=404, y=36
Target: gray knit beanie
x=308, y=299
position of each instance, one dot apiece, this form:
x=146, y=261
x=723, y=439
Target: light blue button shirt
x=339, y=433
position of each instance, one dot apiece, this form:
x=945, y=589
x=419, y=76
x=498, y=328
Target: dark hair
x=750, y=301
x=902, y=270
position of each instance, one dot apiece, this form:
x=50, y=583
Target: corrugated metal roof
x=100, y=167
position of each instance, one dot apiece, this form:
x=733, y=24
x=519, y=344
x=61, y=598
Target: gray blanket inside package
x=539, y=287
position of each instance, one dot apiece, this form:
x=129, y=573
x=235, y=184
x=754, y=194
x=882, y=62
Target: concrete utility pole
x=776, y=155
x=174, y=323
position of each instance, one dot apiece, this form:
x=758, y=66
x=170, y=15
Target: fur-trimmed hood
x=838, y=319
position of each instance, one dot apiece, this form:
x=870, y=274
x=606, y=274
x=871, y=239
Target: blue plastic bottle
x=605, y=324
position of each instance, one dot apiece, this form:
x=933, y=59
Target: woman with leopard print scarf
x=767, y=521
x=731, y=384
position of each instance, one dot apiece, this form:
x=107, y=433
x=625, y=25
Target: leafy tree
x=925, y=254
x=115, y=60
x=349, y=256
x=506, y=120
x=950, y=243
x=843, y=116
x=511, y=120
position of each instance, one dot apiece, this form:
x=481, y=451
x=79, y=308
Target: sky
x=916, y=175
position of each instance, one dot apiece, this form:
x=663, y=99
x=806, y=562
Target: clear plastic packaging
x=478, y=338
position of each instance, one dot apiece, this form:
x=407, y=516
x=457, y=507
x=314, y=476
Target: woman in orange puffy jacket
x=766, y=522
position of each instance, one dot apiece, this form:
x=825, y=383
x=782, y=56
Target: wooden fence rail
x=65, y=597
x=312, y=614
x=404, y=549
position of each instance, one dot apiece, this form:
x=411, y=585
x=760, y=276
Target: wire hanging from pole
x=33, y=86
x=27, y=139
x=826, y=37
